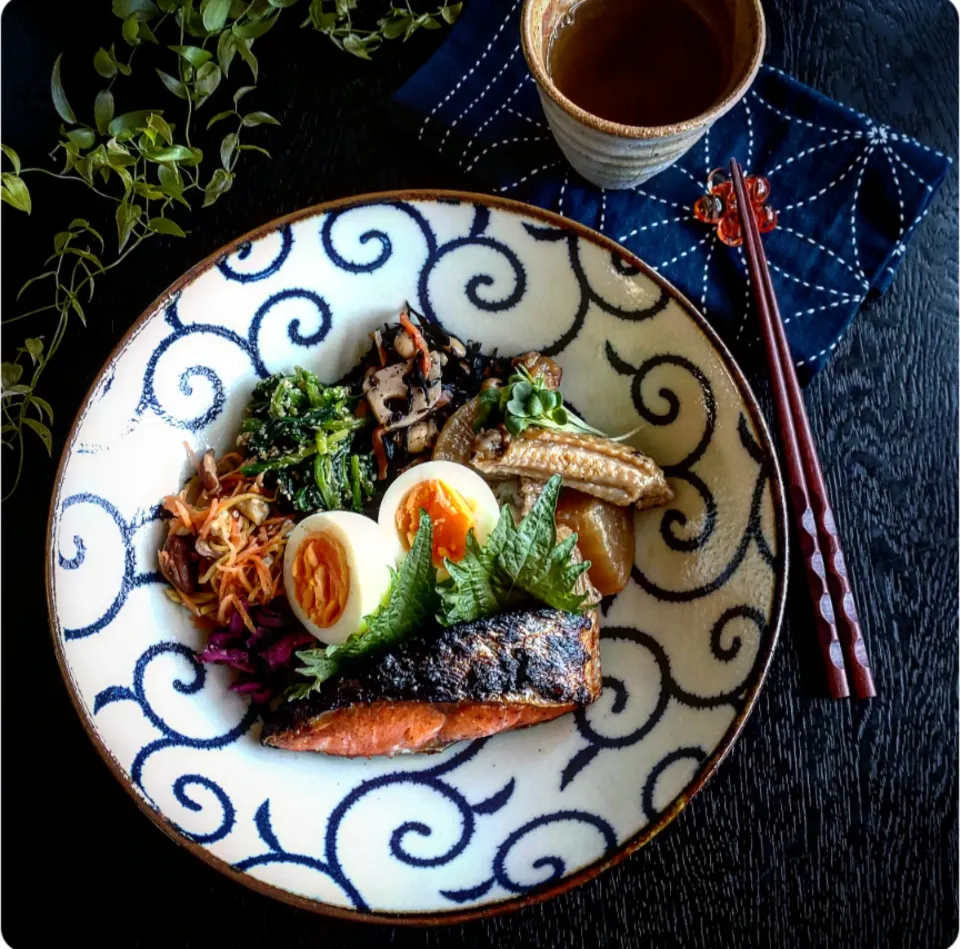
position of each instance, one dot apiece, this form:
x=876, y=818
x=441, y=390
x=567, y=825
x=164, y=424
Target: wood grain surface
x=831, y=824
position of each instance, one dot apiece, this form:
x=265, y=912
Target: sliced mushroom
x=490, y=443
x=208, y=472
x=542, y=366
x=377, y=337
x=404, y=345
x=421, y=435
x=176, y=565
x=256, y=509
x=220, y=526
x=395, y=383
x=528, y=492
x=205, y=550
x=387, y=383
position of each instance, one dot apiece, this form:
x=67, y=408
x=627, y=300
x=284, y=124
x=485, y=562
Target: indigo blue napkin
x=849, y=191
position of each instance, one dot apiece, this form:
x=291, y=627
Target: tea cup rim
x=538, y=68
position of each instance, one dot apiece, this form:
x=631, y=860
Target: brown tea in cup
x=639, y=62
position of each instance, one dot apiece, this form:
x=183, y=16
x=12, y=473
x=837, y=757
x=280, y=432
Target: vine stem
x=58, y=336
x=54, y=174
x=23, y=316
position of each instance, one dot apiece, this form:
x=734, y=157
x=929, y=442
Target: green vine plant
x=145, y=166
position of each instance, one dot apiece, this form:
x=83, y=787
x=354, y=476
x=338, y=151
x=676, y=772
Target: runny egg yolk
x=450, y=513
x=321, y=575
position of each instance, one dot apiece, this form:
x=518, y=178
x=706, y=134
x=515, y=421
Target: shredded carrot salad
x=239, y=538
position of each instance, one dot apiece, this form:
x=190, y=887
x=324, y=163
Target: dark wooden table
x=829, y=825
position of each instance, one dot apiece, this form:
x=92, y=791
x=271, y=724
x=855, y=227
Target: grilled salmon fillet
x=464, y=682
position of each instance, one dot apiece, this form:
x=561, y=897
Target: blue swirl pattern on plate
x=684, y=646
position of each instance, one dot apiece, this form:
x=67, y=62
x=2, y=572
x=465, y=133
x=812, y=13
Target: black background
x=829, y=825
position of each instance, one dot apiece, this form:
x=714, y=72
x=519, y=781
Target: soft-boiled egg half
x=456, y=498
x=336, y=570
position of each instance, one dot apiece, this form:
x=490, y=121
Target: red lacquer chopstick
x=840, y=639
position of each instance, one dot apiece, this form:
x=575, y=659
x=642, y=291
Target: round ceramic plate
x=498, y=822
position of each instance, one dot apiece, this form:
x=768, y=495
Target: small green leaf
x=258, y=118
x=13, y=156
x=241, y=92
x=131, y=33
x=169, y=6
x=42, y=276
x=356, y=45
x=172, y=184
x=158, y=124
x=215, y=13
x=163, y=225
x=227, y=148
x=94, y=232
x=174, y=85
x=10, y=373
x=59, y=96
x=103, y=110
x=254, y=148
x=131, y=121
x=75, y=303
x=220, y=116
x=226, y=50
x=77, y=252
x=15, y=192
x=141, y=9
x=118, y=156
x=85, y=138
x=98, y=157
x=391, y=29
x=60, y=240
x=83, y=167
x=34, y=347
x=219, y=184
x=127, y=216
x=208, y=78
x=147, y=34
x=42, y=404
x=243, y=48
x=104, y=64
x=42, y=431
x=282, y=4
x=196, y=156
x=193, y=54
x=252, y=30
x=451, y=12
x=170, y=179
x=428, y=22
x=170, y=153
x=147, y=191
x=193, y=22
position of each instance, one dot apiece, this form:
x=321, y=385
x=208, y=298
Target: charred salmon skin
x=464, y=682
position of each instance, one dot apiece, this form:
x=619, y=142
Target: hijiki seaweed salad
x=412, y=556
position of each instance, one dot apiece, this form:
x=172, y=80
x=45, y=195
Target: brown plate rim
x=706, y=771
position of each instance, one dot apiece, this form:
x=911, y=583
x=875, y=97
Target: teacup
x=613, y=155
